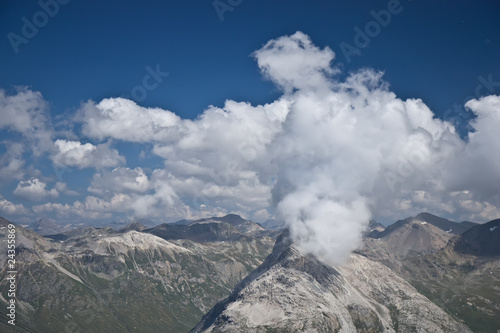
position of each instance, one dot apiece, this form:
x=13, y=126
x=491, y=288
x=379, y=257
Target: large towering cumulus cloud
x=351, y=149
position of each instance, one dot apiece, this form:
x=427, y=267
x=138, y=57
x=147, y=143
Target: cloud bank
x=326, y=156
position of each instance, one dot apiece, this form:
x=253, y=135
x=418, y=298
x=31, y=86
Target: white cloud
x=334, y=151
x=339, y=142
x=24, y=115
x=12, y=162
x=477, y=165
x=161, y=201
x=125, y=120
x=294, y=62
x=34, y=190
x=219, y=159
x=479, y=211
x=75, y=154
x=120, y=180
x=77, y=209
x=7, y=207
x=26, y=112
x=118, y=201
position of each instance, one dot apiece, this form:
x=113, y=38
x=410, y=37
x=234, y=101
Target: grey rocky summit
x=293, y=292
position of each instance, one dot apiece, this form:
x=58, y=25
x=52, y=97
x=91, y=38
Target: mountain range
x=103, y=280
x=229, y=274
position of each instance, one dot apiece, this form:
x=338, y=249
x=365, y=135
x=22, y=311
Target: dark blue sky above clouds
x=95, y=49
x=184, y=56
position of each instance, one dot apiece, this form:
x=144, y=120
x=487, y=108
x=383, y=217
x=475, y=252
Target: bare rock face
x=293, y=292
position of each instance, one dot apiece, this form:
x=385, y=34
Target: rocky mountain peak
x=480, y=240
x=46, y=226
x=424, y=233
x=293, y=292
x=135, y=225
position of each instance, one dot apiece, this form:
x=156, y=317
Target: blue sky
x=95, y=49
x=444, y=53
